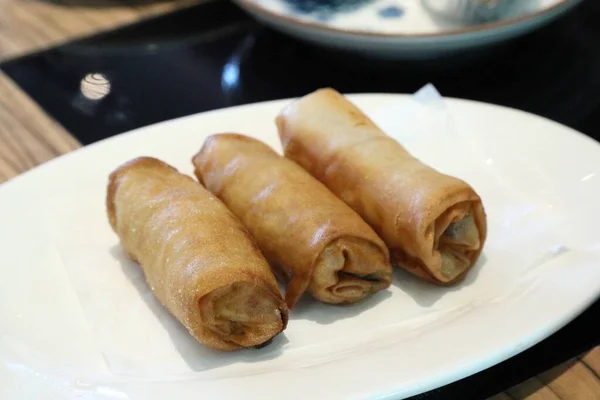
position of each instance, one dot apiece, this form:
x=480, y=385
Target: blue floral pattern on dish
x=391, y=12
x=324, y=10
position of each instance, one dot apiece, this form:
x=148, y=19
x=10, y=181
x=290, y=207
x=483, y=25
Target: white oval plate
x=77, y=320
x=398, y=28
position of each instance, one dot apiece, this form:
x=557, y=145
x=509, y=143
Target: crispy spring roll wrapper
x=197, y=258
x=312, y=239
x=433, y=224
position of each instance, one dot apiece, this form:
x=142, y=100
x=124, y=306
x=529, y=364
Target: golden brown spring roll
x=311, y=238
x=433, y=224
x=197, y=258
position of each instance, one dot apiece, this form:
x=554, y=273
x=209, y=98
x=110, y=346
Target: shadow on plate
x=197, y=356
x=309, y=308
x=424, y=293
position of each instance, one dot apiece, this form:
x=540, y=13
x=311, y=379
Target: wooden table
x=29, y=137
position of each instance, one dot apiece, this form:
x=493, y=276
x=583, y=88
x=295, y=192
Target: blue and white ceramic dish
x=406, y=28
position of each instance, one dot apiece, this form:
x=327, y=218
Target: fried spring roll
x=433, y=224
x=197, y=258
x=312, y=239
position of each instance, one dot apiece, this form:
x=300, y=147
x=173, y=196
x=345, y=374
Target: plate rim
x=550, y=11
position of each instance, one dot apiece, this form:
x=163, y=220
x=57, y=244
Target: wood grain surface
x=29, y=137
x=29, y=25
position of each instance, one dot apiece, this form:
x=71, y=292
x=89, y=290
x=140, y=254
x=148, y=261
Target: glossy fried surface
x=434, y=224
x=197, y=258
x=314, y=240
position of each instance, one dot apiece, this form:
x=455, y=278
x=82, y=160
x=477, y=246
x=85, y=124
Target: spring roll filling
x=456, y=245
x=241, y=313
x=347, y=271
